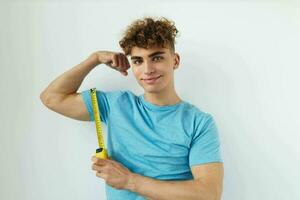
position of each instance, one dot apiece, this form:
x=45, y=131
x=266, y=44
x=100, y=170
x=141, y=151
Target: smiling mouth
x=151, y=79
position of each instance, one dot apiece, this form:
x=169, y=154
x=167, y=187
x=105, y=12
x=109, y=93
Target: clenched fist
x=115, y=60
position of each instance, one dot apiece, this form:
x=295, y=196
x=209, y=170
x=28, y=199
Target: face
x=157, y=64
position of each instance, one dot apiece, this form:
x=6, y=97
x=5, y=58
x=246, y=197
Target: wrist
x=94, y=59
x=133, y=182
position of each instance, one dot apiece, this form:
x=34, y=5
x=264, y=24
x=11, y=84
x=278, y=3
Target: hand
x=115, y=60
x=113, y=172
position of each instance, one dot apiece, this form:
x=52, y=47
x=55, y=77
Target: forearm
x=165, y=190
x=70, y=81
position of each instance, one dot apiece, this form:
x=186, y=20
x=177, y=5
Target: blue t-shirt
x=161, y=142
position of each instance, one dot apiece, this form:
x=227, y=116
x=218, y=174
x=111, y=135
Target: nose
x=148, y=69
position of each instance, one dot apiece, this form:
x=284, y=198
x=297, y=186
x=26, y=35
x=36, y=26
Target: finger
x=117, y=164
x=124, y=73
x=119, y=60
x=101, y=175
x=123, y=65
x=96, y=168
x=124, y=62
x=127, y=62
x=94, y=158
x=113, y=163
x=115, y=60
x=99, y=161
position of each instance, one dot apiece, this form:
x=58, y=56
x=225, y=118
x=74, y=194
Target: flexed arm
x=61, y=94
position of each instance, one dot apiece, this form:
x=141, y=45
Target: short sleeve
x=106, y=100
x=205, y=145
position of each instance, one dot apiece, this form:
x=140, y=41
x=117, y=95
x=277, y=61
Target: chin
x=152, y=90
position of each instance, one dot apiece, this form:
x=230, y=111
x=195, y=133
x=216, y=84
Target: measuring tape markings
x=101, y=152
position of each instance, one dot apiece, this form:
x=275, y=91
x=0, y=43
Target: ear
x=176, y=61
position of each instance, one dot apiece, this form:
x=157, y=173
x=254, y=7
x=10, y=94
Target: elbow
x=214, y=195
x=44, y=98
x=48, y=99
x=217, y=195
x=211, y=196
x=209, y=193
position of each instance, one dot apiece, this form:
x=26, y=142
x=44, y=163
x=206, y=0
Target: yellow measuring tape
x=101, y=152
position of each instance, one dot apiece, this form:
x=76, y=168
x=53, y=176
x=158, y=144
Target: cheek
x=136, y=73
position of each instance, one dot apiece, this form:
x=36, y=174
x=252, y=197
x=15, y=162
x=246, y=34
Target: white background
x=239, y=62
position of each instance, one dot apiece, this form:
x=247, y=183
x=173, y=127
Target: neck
x=162, y=99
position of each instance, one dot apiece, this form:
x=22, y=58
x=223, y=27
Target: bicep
x=72, y=106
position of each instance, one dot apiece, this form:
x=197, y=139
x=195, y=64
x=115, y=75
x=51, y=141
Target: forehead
x=143, y=52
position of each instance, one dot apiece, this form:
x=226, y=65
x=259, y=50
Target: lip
x=151, y=78
x=151, y=81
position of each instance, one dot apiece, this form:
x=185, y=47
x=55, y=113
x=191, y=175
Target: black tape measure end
x=99, y=150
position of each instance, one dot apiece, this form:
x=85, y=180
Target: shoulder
x=123, y=96
x=126, y=94
x=199, y=117
x=115, y=93
x=117, y=96
x=198, y=113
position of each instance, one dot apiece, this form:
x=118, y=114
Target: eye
x=136, y=62
x=156, y=58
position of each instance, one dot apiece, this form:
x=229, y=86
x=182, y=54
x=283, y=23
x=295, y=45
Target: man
x=160, y=146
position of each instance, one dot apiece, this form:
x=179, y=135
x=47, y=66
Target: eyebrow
x=151, y=55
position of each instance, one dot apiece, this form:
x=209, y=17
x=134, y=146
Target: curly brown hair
x=149, y=32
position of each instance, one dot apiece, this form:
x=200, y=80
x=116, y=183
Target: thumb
x=125, y=73
x=111, y=63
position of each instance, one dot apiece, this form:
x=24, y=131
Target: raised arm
x=61, y=94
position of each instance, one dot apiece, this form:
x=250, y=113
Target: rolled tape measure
x=101, y=152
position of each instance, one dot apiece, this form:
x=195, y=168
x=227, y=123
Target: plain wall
x=239, y=62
